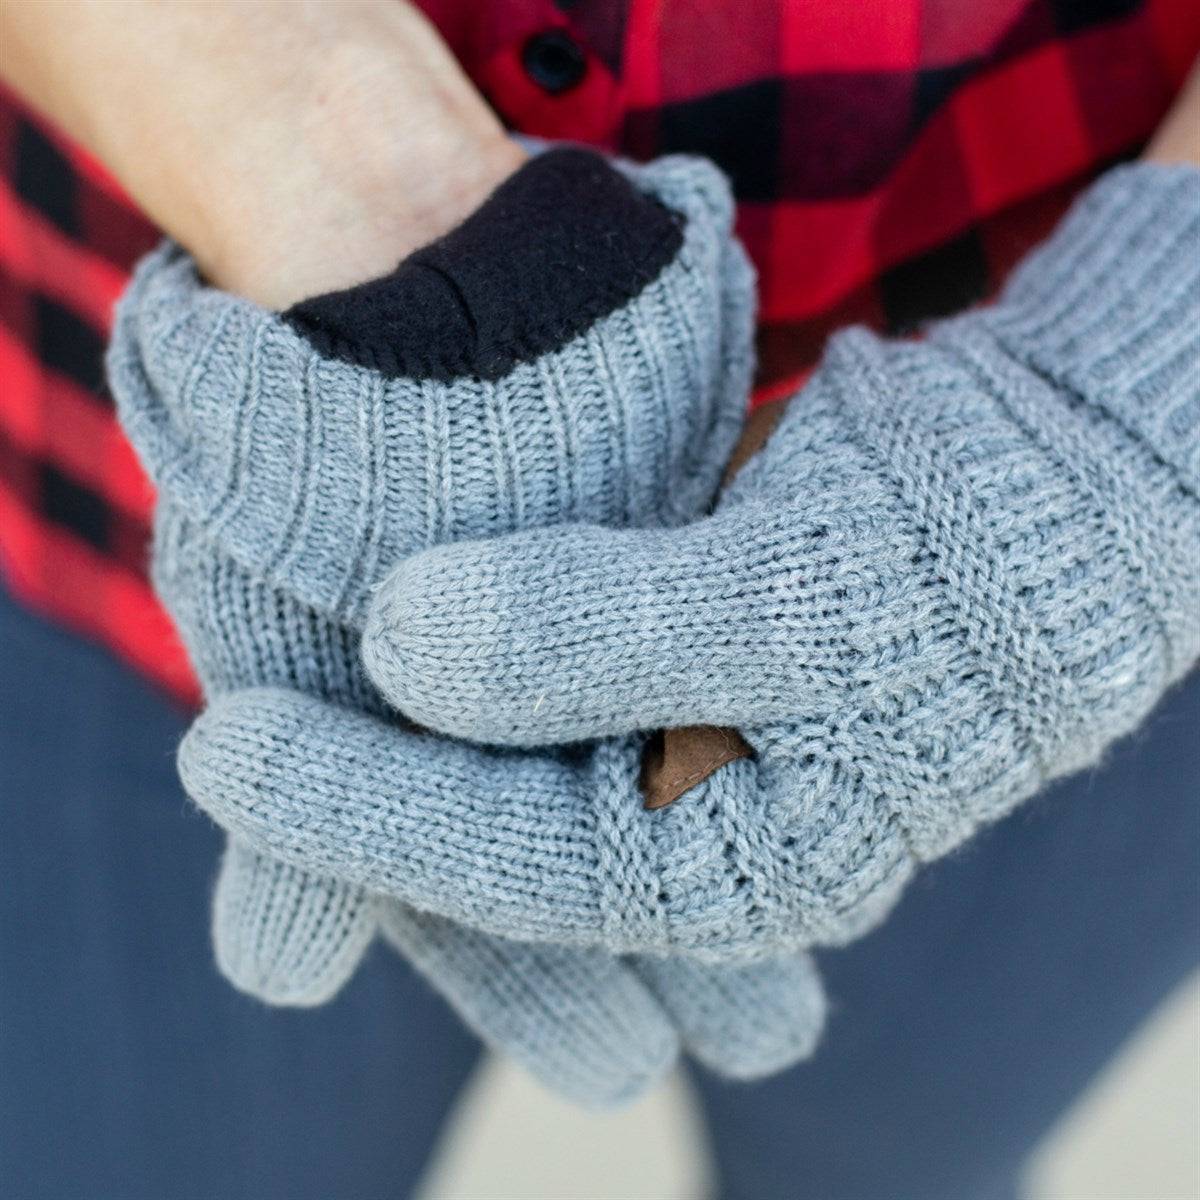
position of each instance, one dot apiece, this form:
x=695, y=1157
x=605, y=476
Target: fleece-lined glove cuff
x=592, y=365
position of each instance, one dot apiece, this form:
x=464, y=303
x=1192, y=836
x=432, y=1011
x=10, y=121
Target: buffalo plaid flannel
x=891, y=158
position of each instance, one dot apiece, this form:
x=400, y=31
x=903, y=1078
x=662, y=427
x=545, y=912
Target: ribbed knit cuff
x=318, y=474
x=1109, y=307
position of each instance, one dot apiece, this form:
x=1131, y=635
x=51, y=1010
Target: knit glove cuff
x=1107, y=309
x=580, y=348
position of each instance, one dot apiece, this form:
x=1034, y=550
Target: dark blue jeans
x=129, y=1070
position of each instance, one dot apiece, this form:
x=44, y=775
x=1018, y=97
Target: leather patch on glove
x=676, y=760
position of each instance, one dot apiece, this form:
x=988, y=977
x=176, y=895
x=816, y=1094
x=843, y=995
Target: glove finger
x=578, y=1020
x=535, y=847
x=498, y=841
x=744, y=1021
x=284, y=936
x=562, y=635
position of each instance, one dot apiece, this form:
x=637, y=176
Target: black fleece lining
x=558, y=245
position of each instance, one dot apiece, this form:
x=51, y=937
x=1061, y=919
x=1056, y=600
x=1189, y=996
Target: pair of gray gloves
x=959, y=568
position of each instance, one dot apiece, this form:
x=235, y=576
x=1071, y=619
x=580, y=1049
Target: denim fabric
x=129, y=1069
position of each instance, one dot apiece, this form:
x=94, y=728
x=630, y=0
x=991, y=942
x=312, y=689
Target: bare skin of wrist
x=293, y=146
x=1178, y=137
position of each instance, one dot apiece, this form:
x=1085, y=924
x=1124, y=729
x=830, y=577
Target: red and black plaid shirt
x=892, y=159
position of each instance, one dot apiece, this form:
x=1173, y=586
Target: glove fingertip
x=743, y=1022
x=283, y=936
x=579, y=1021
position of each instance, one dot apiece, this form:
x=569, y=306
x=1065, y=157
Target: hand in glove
x=578, y=350
x=959, y=569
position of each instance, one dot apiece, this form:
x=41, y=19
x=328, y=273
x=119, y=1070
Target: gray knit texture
x=960, y=568
x=289, y=485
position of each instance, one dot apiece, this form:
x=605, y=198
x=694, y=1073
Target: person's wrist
x=1177, y=139
x=334, y=224
x=292, y=146
x=375, y=160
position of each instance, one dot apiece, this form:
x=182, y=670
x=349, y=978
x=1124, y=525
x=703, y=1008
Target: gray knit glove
x=579, y=349
x=959, y=569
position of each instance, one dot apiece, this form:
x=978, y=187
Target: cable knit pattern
x=290, y=483
x=959, y=569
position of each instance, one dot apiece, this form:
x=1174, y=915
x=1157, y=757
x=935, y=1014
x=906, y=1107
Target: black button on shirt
x=554, y=61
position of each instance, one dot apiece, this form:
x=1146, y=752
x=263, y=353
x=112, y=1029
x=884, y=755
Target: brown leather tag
x=675, y=760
